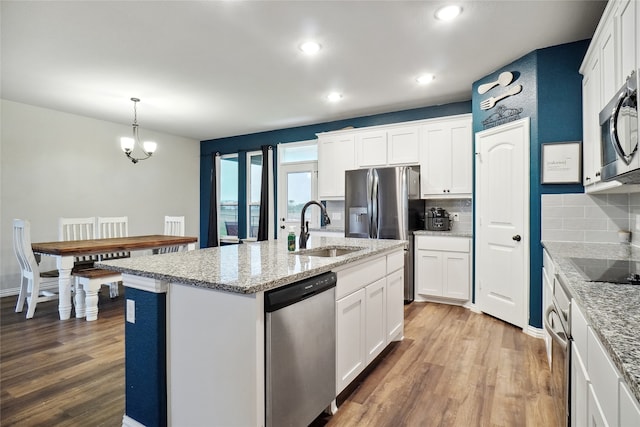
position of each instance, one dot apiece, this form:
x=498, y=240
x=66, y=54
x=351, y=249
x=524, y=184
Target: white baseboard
x=533, y=331
x=130, y=422
x=15, y=291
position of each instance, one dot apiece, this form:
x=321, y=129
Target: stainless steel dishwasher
x=300, y=365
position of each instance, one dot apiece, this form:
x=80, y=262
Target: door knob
x=282, y=226
x=517, y=238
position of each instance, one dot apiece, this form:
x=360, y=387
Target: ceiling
x=210, y=69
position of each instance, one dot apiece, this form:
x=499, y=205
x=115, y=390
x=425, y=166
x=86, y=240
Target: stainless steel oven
x=557, y=322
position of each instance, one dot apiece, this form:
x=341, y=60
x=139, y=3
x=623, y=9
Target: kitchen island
x=195, y=324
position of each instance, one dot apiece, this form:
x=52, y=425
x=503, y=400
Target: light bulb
x=127, y=144
x=447, y=13
x=150, y=146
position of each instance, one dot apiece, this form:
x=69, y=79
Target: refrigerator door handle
x=370, y=201
x=403, y=203
x=374, y=202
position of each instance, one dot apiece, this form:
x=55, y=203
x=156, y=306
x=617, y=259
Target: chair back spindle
x=111, y=227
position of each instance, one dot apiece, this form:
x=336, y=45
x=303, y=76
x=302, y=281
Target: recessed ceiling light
x=425, y=78
x=334, y=96
x=310, y=47
x=447, y=13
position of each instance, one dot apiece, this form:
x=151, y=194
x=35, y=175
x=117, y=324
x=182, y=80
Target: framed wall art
x=562, y=162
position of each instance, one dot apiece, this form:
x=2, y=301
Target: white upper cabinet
x=610, y=59
x=608, y=76
x=336, y=154
x=403, y=145
x=445, y=158
x=627, y=34
x=442, y=147
x=387, y=147
x=591, y=102
x=371, y=148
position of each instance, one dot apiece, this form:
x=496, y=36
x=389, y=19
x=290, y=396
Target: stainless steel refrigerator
x=384, y=203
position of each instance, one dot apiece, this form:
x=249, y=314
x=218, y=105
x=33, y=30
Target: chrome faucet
x=304, y=226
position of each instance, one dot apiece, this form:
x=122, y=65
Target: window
x=304, y=151
x=228, y=216
x=297, y=176
x=254, y=185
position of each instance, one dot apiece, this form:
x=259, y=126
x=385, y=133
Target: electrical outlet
x=131, y=311
x=455, y=216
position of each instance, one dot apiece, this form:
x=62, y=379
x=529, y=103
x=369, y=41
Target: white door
x=297, y=184
x=502, y=221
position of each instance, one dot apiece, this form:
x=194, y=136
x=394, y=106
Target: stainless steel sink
x=328, y=251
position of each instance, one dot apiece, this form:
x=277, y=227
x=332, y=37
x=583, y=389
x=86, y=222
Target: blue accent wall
x=252, y=142
x=146, y=360
x=552, y=99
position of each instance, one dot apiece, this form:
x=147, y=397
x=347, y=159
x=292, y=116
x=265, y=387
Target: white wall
x=54, y=164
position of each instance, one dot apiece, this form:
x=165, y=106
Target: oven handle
x=547, y=322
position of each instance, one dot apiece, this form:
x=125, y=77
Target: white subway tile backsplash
x=585, y=224
x=563, y=236
x=634, y=199
x=619, y=200
x=563, y=211
x=577, y=200
x=601, y=236
x=587, y=218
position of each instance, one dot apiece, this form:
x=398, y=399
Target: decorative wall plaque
x=561, y=163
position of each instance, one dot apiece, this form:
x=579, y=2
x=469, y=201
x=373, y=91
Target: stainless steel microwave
x=619, y=135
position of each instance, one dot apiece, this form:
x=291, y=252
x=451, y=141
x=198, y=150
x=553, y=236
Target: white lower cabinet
x=395, y=304
x=629, y=408
x=595, y=415
x=443, y=267
x=599, y=396
x=350, y=324
x=369, y=313
x=376, y=323
x=579, y=389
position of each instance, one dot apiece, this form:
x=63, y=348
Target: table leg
x=92, y=288
x=80, y=301
x=65, y=264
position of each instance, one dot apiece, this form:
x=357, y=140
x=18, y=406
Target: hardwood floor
x=454, y=368
x=62, y=373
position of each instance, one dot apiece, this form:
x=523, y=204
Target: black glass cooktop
x=608, y=270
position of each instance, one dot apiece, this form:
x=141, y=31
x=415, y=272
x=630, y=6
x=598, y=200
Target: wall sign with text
x=562, y=163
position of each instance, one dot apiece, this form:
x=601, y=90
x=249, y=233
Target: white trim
x=9, y=292
x=145, y=284
x=130, y=422
x=472, y=306
x=282, y=146
x=534, y=332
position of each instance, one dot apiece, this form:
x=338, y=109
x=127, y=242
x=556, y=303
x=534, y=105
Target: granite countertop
x=612, y=310
x=450, y=233
x=249, y=267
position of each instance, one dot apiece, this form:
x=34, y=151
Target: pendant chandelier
x=128, y=144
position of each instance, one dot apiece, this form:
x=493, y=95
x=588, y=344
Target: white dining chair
x=110, y=227
x=30, y=271
x=173, y=226
x=78, y=229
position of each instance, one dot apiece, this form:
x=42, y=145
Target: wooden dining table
x=65, y=253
